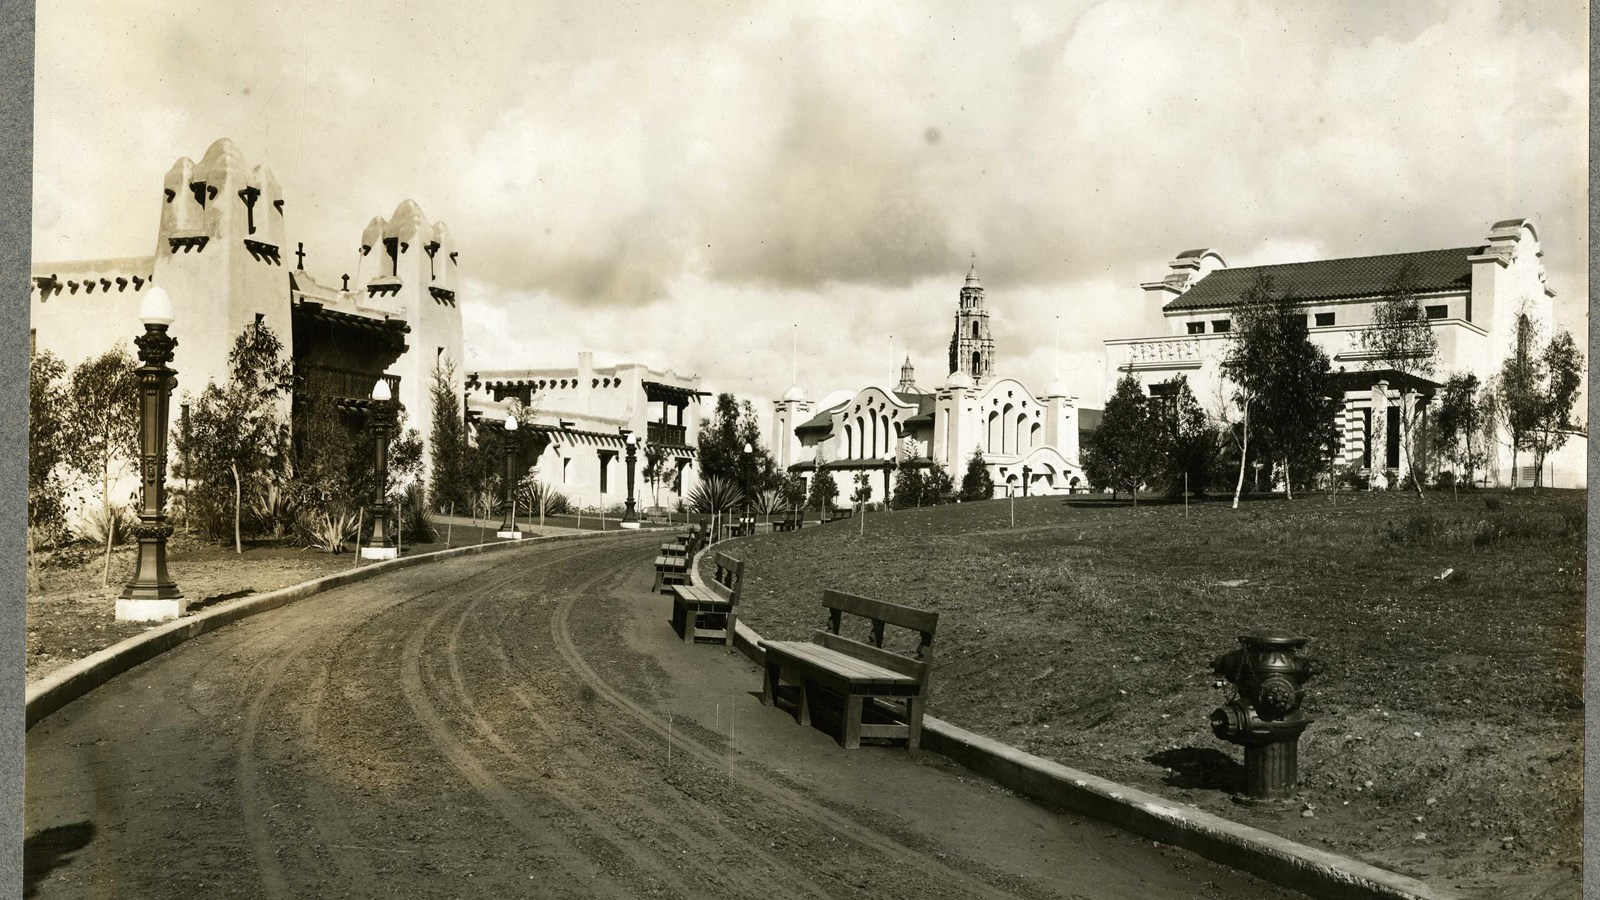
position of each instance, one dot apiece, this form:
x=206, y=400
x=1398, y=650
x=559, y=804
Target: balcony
x=346, y=384
x=662, y=433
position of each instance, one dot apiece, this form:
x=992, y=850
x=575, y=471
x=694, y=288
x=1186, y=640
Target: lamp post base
x=379, y=552
x=509, y=535
x=132, y=610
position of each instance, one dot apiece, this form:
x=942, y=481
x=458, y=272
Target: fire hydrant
x=1265, y=718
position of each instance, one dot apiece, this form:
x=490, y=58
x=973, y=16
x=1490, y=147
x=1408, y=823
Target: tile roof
x=1326, y=279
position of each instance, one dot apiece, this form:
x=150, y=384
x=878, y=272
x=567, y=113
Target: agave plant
x=715, y=495
x=328, y=532
x=769, y=502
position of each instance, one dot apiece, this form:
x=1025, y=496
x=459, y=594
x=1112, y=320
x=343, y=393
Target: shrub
x=769, y=502
x=271, y=511
x=715, y=494
x=97, y=521
x=416, y=521
x=326, y=531
x=1446, y=480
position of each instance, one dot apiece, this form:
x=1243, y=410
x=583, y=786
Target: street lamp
x=1025, y=473
x=152, y=595
x=381, y=421
x=748, y=519
x=508, y=528
x=630, y=515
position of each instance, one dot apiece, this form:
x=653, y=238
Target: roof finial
x=972, y=273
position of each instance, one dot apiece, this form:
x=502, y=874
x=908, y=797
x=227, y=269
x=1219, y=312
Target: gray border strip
x=67, y=684
x=1261, y=853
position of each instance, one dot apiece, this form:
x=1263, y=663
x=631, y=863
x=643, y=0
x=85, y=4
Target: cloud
x=684, y=183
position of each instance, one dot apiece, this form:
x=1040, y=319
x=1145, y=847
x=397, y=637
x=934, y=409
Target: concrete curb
x=68, y=683
x=1279, y=860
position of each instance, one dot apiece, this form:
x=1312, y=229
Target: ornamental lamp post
x=381, y=420
x=152, y=595
x=630, y=515
x=1026, y=472
x=748, y=519
x=508, y=528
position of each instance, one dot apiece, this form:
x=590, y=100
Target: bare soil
x=71, y=614
x=1448, y=736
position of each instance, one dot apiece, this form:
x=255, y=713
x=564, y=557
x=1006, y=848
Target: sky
x=763, y=192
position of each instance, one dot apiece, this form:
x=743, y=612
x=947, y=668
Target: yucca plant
x=769, y=502
x=715, y=495
x=327, y=531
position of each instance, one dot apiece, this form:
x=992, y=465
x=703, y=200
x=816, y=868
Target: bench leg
x=802, y=714
x=656, y=588
x=914, y=722
x=689, y=619
x=769, y=685
x=728, y=637
x=851, y=738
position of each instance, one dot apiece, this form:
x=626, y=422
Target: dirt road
x=521, y=724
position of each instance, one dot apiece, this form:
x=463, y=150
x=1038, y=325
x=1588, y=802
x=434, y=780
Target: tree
x=824, y=490
x=237, y=433
x=1517, y=392
x=447, y=445
x=976, y=483
x=1282, y=383
x=862, y=493
x=1129, y=448
x=1189, y=441
x=938, y=486
x=721, y=445
x=1459, y=424
x=47, y=450
x=909, y=486
x=1401, y=340
x=103, y=428
x=655, y=469
x=1562, y=365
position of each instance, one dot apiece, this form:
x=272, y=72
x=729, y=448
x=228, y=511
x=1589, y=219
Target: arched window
x=849, y=442
x=974, y=329
x=1035, y=435
x=873, y=448
x=861, y=442
x=975, y=372
x=1008, y=440
x=993, y=443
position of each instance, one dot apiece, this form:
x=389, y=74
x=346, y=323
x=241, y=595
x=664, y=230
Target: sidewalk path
x=521, y=725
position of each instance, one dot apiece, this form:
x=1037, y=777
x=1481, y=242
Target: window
x=1324, y=319
x=1438, y=312
x=1391, y=450
x=1197, y=328
x=1221, y=325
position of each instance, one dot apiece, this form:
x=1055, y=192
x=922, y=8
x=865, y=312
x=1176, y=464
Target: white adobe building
x=1472, y=295
x=220, y=251
x=879, y=427
x=579, y=419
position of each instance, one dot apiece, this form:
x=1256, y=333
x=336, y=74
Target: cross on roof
x=300, y=255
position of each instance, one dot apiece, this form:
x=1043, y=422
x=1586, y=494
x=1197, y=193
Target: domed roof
x=795, y=392
x=959, y=379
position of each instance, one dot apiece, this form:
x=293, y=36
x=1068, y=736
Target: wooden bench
x=672, y=561
x=657, y=515
x=858, y=671
x=709, y=610
x=841, y=514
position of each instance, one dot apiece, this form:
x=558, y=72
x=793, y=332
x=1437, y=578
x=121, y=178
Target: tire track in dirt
x=287, y=648
x=708, y=838
x=905, y=859
x=607, y=844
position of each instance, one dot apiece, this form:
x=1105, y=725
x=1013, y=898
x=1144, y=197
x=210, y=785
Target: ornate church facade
x=1029, y=442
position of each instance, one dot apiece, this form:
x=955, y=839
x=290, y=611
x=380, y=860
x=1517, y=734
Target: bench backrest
x=727, y=576
x=880, y=613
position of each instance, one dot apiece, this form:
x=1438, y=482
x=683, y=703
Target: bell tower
x=971, y=347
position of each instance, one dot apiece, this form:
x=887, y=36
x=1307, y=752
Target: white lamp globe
x=381, y=392
x=511, y=422
x=156, y=308
x=747, y=448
